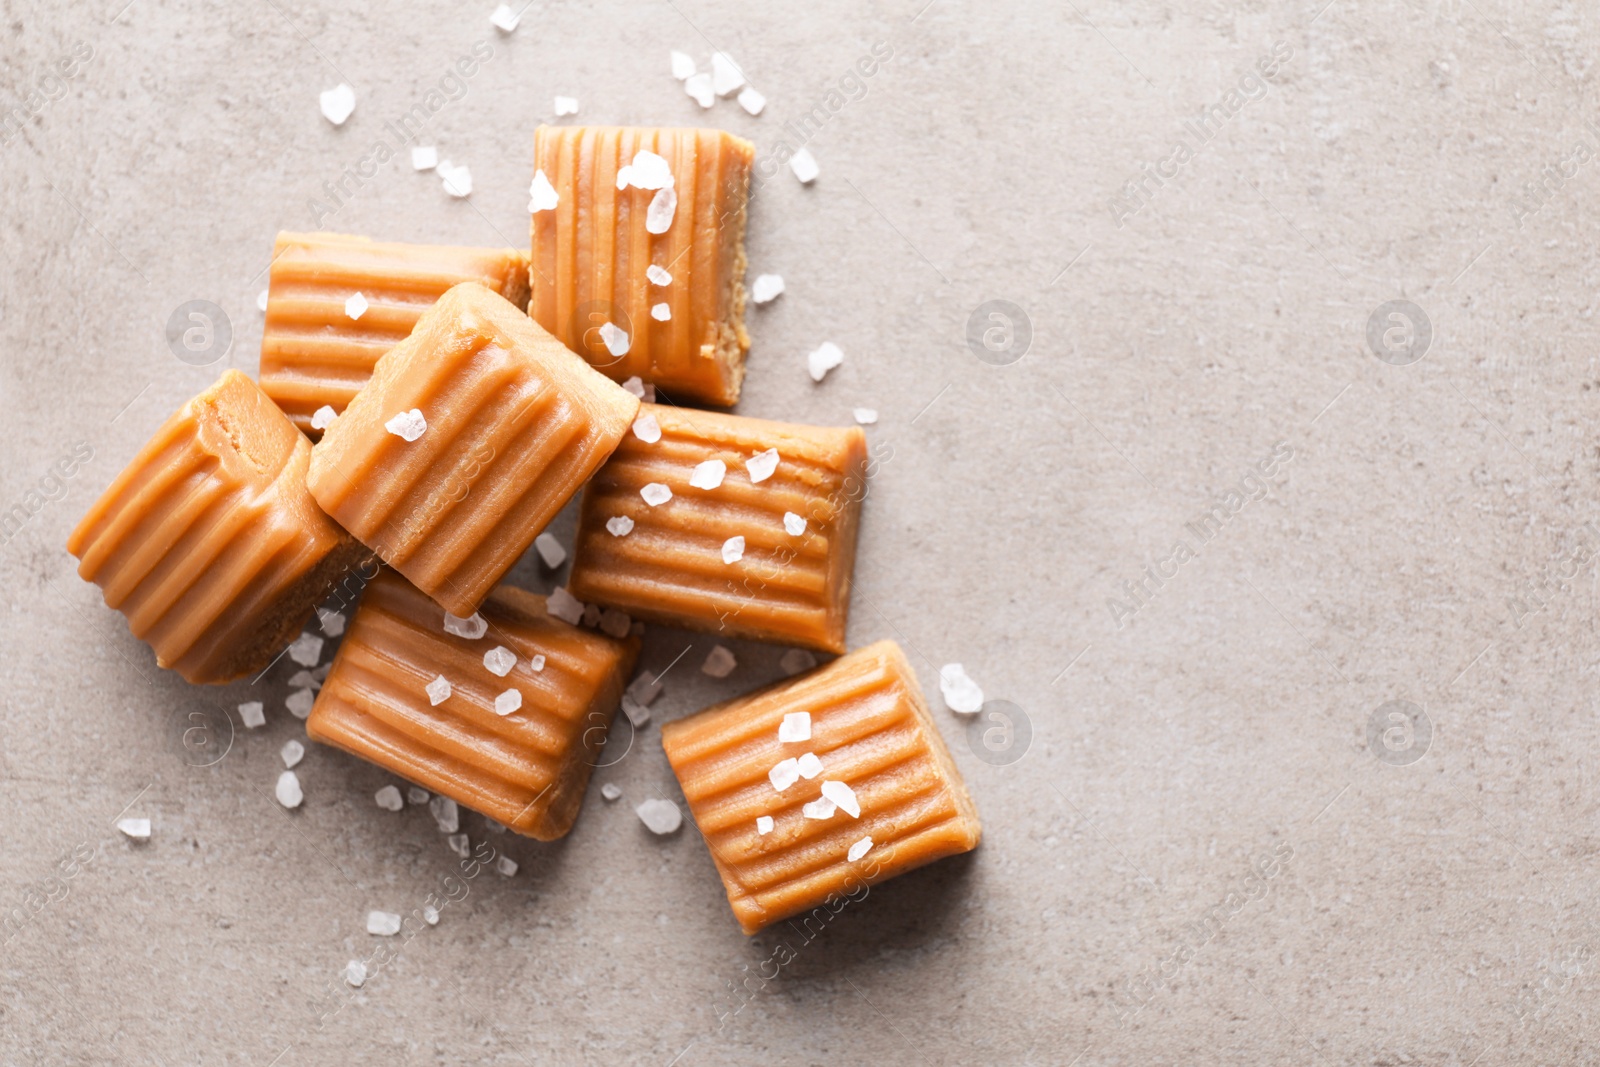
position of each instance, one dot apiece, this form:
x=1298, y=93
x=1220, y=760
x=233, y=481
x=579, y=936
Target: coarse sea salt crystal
x=635, y=384
x=859, y=849
x=866, y=416
x=499, y=660
x=138, y=829
x=698, y=86
x=766, y=287
x=821, y=808
x=550, y=550
x=288, y=790
x=661, y=312
x=725, y=74
x=809, y=766
x=460, y=844
x=655, y=494
x=337, y=103
x=796, y=726
x=661, y=816
x=619, y=525
x=647, y=429
x=253, y=714
x=430, y=915
x=505, y=19
x=645, y=688
x=614, y=622
x=292, y=752
x=563, y=605
x=961, y=694
x=446, y=814
x=648, y=171
x=638, y=715
x=261, y=300
x=616, y=339
x=843, y=796
x=416, y=794
x=506, y=866
x=424, y=157
x=457, y=180
x=784, y=774
x=796, y=660
x=591, y=614
x=356, y=306
x=304, y=680
x=663, y=208
x=542, y=196
x=733, y=549
x=708, y=475
x=438, y=690
x=407, y=425
x=383, y=923
x=507, y=702
x=751, y=100
x=793, y=524
x=299, y=702
x=822, y=359
x=804, y=165
x=389, y=799
x=762, y=464
x=763, y=824
x=658, y=275
x=682, y=65
x=611, y=791
x=494, y=826
x=332, y=623
x=355, y=973
x=566, y=105
x=306, y=649
x=323, y=417
x=472, y=627
x=719, y=663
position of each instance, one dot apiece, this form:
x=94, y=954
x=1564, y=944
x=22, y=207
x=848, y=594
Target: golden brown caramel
x=208, y=541
x=515, y=424
x=872, y=732
x=527, y=768
x=591, y=251
x=792, y=588
x=313, y=353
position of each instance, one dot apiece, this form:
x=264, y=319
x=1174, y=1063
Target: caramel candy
x=592, y=249
x=675, y=562
x=885, y=798
x=208, y=541
x=516, y=746
x=471, y=435
x=313, y=353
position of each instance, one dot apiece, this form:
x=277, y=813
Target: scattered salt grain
x=507, y=702
x=292, y=752
x=645, y=688
x=658, y=275
x=306, y=649
x=647, y=171
x=682, y=65
x=763, y=824
x=505, y=20
x=563, y=605
x=661, y=312
x=253, y=714
x=261, y=300
x=332, y=623
x=784, y=774
x=843, y=796
x=542, y=196
x=804, y=165
x=446, y=814
x=961, y=693
x=751, y=100
x=619, y=525
x=304, y=680
x=424, y=157
x=138, y=829
x=550, y=550
x=355, y=973
x=323, y=417
x=472, y=627
x=821, y=808
x=655, y=494
x=810, y=766
x=725, y=74
x=733, y=549
x=762, y=464
x=719, y=663
x=460, y=844
x=822, y=359
x=661, y=816
x=796, y=660
x=796, y=726
x=663, y=207
x=438, y=690
x=494, y=826
x=407, y=425
x=536, y=664
x=566, y=105
x=356, y=306
x=299, y=702
x=416, y=794
x=457, y=180
x=430, y=915
x=635, y=384
x=766, y=287
x=708, y=475
x=866, y=416
x=859, y=849
x=288, y=790
x=638, y=715
x=389, y=799
x=793, y=524
x=499, y=660
x=647, y=429
x=506, y=866
x=615, y=338
x=337, y=103
x=591, y=614
x=614, y=622
x=698, y=86
x=611, y=791
x=383, y=923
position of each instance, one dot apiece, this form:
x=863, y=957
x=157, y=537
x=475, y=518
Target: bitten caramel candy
x=471, y=435
x=337, y=302
x=761, y=557
x=515, y=726
x=208, y=541
x=811, y=790
x=662, y=264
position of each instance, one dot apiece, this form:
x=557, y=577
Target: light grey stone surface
x=1429, y=539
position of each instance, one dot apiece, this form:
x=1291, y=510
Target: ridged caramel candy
x=872, y=732
x=790, y=588
x=529, y=768
x=208, y=541
x=515, y=424
x=591, y=252
x=313, y=353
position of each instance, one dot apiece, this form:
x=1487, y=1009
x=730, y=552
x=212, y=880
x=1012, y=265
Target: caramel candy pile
x=208, y=541
x=638, y=253
x=471, y=435
x=728, y=524
x=834, y=780
x=504, y=711
x=336, y=303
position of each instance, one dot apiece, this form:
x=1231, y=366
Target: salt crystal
x=563, y=605
x=261, y=300
x=793, y=524
x=424, y=157
x=796, y=660
x=682, y=65
x=505, y=20
x=698, y=86
x=762, y=464
x=542, y=196
x=725, y=74
x=645, y=688
x=733, y=549
x=661, y=312
x=647, y=429
x=457, y=180
x=804, y=165
x=337, y=103
x=784, y=774
x=322, y=672
x=288, y=790
x=499, y=660
x=389, y=799
x=446, y=814
x=416, y=794
x=506, y=866
x=796, y=726
x=658, y=275
x=708, y=475
x=859, y=849
x=821, y=808
x=961, y=693
x=763, y=824
x=661, y=816
x=719, y=663
x=634, y=384
x=438, y=690
x=619, y=525
x=292, y=752
x=494, y=826
x=304, y=680
x=356, y=306
x=306, y=649
x=430, y=915
x=507, y=702
x=843, y=796
x=615, y=338
x=663, y=207
x=614, y=622
x=299, y=702
x=332, y=623
x=253, y=714
x=383, y=923
x=550, y=550
x=866, y=416
x=638, y=715
x=460, y=844
x=138, y=829
x=323, y=417
x=407, y=425
x=566, y=105
x=355, y=972
x=751, y=100
x=647, y=171
x=809, y=765
x=766, y=287
x=655, y=494
x=822, y=359
x=611, y=791
x=591, y=614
